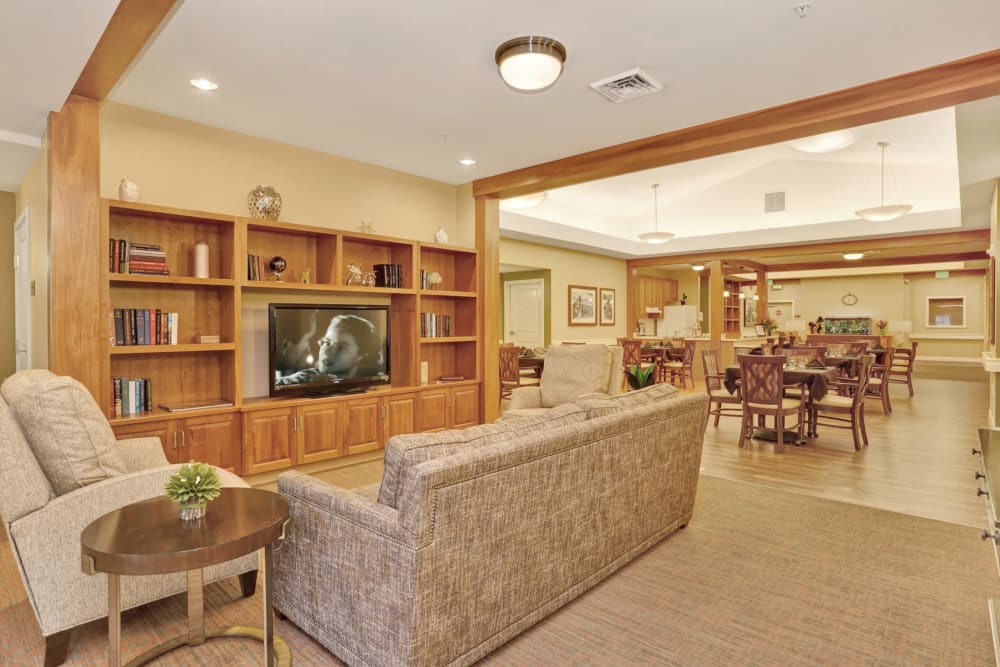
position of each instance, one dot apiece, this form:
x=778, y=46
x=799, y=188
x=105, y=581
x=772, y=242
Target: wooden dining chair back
x=811, y=352
x=632, y=357
x=762, y=379
x=878, y=381
x=858, y=347
x=721, y=402
x=683, y=370
x=846, y=408
x=510, y=371
x=901, y=370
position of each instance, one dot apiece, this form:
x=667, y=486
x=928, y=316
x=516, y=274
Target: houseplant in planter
x=193, y=486
x=639, y=377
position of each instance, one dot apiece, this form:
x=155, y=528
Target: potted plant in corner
x=639, y=377
x=193, y=486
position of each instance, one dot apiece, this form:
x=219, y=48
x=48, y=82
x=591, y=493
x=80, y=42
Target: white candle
x=201, y=260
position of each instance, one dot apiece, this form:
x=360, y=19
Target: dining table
x=816, y=380
x=535, y=362
x=664, y=352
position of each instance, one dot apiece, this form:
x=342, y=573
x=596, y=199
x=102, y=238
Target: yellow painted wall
x=188, y=165
x=33, y=194
x=7, y=216
x=570, y=267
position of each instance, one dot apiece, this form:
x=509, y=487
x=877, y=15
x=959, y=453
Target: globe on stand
x=278, y=266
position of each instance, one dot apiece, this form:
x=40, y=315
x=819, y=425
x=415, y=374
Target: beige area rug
x=759, y=577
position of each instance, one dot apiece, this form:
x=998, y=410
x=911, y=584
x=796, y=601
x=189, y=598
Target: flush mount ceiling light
x=852, y=256
x=885, y=212
x=467, y=162
x=827, y=142
x=530, y=64
x=655, y=236
x=204, y=84
x=697, y=267
x=526, y=201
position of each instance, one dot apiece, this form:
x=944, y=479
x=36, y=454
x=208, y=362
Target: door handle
x=174, y=437
x=183, y=439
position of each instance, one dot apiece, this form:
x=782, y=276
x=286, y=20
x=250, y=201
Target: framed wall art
x=582, y=305
x=607, y=315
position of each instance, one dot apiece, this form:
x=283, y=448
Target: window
x=945, y=311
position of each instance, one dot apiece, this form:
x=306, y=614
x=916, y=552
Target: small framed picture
x=582, y=305
x=759, y=330
x=607, y=316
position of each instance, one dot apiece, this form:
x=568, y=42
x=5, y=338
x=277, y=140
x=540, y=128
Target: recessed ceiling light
x=204, y=84
x=467, y=162
x=526, y=201
x=853, y=255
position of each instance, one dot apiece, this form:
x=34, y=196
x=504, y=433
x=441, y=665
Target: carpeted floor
x=759, y=577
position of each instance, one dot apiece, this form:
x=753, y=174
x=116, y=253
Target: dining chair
x=718, y=397
x=670, y=370
x=510, y=371
x=813, y=352
x=631, y=356
x=858, y=347
x=901, y=370
x=763, y=395
x=846, y=408
x=878, y=382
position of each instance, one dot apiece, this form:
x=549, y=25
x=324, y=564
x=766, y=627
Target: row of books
x=131, y=396
x=433, y=325
x=253, y=267
x=388, y=275
x=142, y=326
x=125, y=256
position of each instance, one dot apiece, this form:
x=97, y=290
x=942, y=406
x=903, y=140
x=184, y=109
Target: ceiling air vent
x=774, y=202
x=627, y=86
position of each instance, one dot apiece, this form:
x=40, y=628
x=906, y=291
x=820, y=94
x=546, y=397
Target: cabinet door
x=432, y=414
x=269, y=440
x=464, y=406
x=164, y=430
x=669, y=294
x=399, y=412
x=214, y=439
x=361, y=425
x=318, y=434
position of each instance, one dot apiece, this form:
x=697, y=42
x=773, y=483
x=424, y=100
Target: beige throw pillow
x=67, y=432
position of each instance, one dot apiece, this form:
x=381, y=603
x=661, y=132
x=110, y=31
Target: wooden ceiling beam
x=944, y=85
x=890, y=261
x=131, y=27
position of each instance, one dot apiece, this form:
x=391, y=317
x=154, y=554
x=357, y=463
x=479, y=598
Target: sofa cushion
x=402, y=452
x=23, y=486
x=68, y=434
x=572, y=370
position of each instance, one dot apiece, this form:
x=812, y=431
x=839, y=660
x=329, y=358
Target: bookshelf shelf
x=167, y=281
x=117, y=350
x=438, y=340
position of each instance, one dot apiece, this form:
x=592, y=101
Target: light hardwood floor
x=918, y=462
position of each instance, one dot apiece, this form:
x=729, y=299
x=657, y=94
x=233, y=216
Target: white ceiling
x=417, y=90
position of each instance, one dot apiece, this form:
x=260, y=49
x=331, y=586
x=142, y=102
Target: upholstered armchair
x=571, y=372
x=62, y=469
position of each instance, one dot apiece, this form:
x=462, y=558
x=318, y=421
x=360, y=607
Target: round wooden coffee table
x=148, y=538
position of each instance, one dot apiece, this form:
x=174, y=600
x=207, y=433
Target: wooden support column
x=717, y=303
x=762, y=294
x=78, y=325
x=488, y=244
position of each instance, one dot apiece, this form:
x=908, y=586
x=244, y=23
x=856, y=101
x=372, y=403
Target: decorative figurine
x=353, y=273
x=368, y=280
x=128, y=191
x=440, y=235
x=278, y=266
x=366, y=227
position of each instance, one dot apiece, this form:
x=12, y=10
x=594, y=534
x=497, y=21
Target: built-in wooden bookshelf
x=732, y=304
x=258, y=433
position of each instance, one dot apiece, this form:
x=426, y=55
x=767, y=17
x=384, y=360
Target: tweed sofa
x=45, y=510
x=475, y=535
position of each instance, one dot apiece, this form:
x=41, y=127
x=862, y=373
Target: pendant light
x=885, y=212
x=655, y=236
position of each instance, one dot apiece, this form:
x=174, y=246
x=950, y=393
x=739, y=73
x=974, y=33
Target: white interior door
x=22, y=292
x=524, y=312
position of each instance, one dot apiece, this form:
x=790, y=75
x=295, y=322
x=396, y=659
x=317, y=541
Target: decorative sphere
x=278, y=264
x=264, y=202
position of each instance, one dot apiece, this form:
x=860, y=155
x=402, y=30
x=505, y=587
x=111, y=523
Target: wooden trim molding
x=129, y=30
x=935, y=87
x=488, y=244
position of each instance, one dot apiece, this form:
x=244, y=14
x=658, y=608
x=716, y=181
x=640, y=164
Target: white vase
x=440, y=235
x=128, y=191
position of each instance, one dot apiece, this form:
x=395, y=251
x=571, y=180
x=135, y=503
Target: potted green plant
x=638, y=376
x=193, y=486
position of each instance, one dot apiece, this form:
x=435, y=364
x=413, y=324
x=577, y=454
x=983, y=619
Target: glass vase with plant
x=193, y=486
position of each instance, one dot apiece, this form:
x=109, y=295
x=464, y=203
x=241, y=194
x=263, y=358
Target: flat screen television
x=318, y=349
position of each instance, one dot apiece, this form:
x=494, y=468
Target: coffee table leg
x=268, y=611
x=114, y=622
x=196, y=607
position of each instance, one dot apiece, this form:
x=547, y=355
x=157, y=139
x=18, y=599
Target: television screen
x=321, y=349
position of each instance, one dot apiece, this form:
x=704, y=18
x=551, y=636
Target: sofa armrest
x=141, y=453
x=525, y=397
x=345, y=505
x=592, y=395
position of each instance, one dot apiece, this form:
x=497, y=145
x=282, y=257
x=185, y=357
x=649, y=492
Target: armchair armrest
x=525, y=397
x=591, y=395
x=141, y=453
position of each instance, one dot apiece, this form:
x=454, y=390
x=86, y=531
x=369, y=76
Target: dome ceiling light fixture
x=655, y=236
x=853, y=256
x=530, y=64
x=697, y=267
x=885, y=212
x=526, y=201
x=828, y=142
